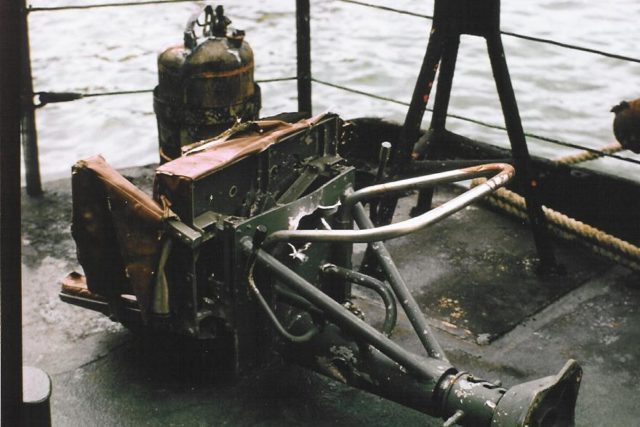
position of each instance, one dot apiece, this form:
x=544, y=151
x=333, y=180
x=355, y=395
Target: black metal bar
x=303, y=42
x=383, y=158
x=411, y=128
x=453, y=18
x=10, y=244
x=439, y=116
x=419, y=99
x=520, y=152
x=445, y=83
x=428, y=369
x=28, y=119
x=408, y=303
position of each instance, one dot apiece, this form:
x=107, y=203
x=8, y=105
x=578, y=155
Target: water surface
x=562, y=94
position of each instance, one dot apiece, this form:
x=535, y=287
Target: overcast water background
x=562, y=94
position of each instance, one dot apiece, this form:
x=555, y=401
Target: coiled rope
x=561, y=225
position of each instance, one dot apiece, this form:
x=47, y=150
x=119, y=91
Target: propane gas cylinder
x=205, y=86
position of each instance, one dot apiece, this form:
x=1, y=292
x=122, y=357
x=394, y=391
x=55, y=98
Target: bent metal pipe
x=504, y=173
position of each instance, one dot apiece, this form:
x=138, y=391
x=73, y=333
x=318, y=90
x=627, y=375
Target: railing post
x=29, y=134
x=303, y=38
x=10, y=244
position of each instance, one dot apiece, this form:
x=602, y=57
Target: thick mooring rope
x=585, y=155
x=568, y=228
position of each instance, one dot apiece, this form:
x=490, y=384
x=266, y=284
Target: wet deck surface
x=473, y=274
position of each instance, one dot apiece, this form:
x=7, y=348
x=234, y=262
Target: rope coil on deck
x=568, y=228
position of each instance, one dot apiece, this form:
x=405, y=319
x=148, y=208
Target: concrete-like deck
x=473, y=273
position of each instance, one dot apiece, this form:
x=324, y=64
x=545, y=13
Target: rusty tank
x=205, y=85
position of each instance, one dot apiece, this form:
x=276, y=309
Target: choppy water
x=561, y=93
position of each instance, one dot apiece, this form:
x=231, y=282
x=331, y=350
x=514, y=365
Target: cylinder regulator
x=205, y=85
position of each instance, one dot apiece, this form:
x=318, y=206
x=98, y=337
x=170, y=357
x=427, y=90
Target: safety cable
x=118, y=92
x=55, y=97
x=481, y=123
x=31, y=9
x=50, y=97
x=506, y=33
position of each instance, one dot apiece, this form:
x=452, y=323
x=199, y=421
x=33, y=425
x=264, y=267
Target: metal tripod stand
x=453, y=18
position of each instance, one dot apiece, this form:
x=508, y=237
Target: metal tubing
x=383, y=159
x=391, y=312
x=504, y=172
x=303, y=43
x=295, y=300
x=427, y=369
x=306, y=336
x=421, y=167
x=408, y=303
x=408, y=226
x=28, y=118
x=367, y=370
x=10, y=244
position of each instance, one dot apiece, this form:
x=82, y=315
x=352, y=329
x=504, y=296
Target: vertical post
x=520, y=152
x=10, y=244
x=303, y=40
x=28, y=118
x=439, y=116
x=411, y=128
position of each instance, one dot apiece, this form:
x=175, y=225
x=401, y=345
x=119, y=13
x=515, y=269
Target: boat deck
x=474, y=275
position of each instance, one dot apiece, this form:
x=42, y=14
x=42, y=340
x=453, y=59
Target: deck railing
x=304, y=78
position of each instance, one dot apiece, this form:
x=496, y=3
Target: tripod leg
x=520, y=152
x=411, y=128
x=439, y=116
x=410, y=131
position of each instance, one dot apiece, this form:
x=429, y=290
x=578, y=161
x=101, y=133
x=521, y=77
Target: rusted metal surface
x=205, y=85
x=262, y=212
x=118, y=231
